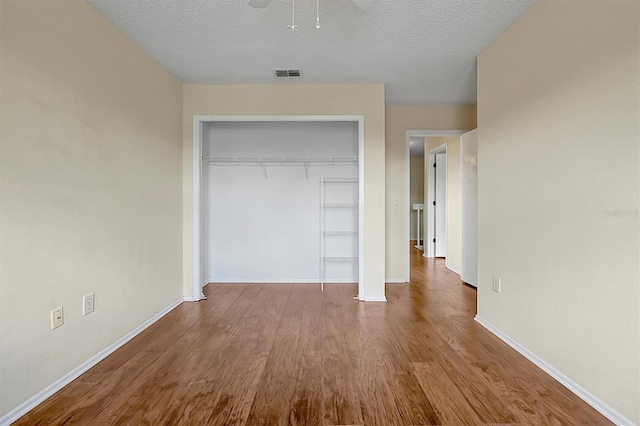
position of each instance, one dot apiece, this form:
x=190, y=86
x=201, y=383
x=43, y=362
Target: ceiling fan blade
x=259, y=4
x=364, y=4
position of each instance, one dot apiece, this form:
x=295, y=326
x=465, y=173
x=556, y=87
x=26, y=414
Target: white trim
x=261, y=281
x=54, y=387
x=429, y=248
x=439, y=149
x=197, y=176
x=361, y=246
x=374, y=299
x=452, y=270
x=252, y=118
x=191, y=299
x=427, y=133
x=196, y=290
x=408, y=135
x=396, y=281
x=599, y=405
x=407, y=213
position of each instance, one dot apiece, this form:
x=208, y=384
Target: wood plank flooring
x=269, y=354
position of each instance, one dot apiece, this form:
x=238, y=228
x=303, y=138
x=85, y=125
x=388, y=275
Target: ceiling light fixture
x=293, y=26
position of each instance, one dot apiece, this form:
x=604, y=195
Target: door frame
x=198, y=281
x=430, y=250
x=407, y=160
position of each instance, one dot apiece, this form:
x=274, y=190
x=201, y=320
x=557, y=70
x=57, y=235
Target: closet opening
x=279, y=200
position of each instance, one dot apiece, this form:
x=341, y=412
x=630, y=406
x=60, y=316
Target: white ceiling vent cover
x=287, y=72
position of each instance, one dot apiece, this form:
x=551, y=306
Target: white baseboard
x=581, y=392
x=396, y=281
x=374, y=299
x=54, y=387
x=302, y=281
x=191, y=299
x=452, y=270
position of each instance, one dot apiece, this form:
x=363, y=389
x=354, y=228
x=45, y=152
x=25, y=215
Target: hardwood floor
x=265, y=354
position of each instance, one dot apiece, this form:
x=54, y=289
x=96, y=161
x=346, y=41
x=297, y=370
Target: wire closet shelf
x=264, y=162
x=325, y=234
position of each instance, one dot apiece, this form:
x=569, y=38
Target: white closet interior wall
x=259, y=229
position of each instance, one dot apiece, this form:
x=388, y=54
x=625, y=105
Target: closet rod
x=340, y=180
x=280, y=160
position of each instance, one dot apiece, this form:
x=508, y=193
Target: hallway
x=289, y=354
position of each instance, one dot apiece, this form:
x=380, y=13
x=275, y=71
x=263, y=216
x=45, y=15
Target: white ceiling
x=423, y=50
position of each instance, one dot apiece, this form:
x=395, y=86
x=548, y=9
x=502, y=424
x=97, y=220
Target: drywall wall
x=469, y=207
x=274, y=221
x=91, y=189
x=416, y=195
x=399, y=119
x=559, y=184
x=299, y=99
x=453, y=260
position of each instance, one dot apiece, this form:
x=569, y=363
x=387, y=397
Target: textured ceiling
x=423, y=50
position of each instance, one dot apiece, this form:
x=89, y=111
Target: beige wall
x=399, y=119
x=91, y=189
x=558, y=148
x=453, y=260
x=416, y=194
x=367, y=100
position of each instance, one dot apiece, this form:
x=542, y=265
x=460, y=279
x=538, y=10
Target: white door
x=440, y=215
x=469, y=184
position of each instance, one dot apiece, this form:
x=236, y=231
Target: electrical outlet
x=497, y=284
x=57, y=318
x=88, y=303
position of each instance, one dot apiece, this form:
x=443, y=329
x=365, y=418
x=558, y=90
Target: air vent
x=287, y=73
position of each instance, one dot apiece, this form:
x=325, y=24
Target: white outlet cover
x=497, y=282
x=57, y=317
x=88, y=303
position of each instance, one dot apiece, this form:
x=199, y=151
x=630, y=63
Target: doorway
x=282, y=196
x=416, y=213
x=200, y=277
x=429, y=230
